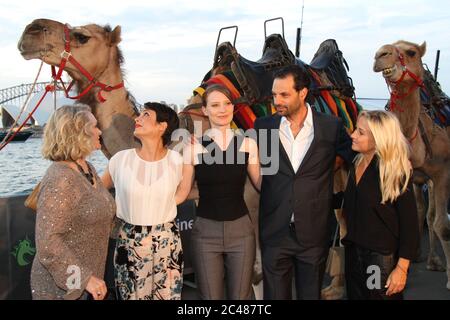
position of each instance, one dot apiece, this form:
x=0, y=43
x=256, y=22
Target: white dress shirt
x=297, y=147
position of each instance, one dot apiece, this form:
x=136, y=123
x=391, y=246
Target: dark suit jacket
x=308, y=193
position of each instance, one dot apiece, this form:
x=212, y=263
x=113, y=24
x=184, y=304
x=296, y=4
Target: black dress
x=221, y=177
x=377, y=234
x=223, y=242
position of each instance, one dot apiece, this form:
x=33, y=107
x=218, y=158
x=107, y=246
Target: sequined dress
x=73, y=225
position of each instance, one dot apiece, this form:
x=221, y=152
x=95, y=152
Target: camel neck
x=408, y=112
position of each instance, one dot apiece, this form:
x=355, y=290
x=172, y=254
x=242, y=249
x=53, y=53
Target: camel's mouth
x=389, y=72
x=28, y=52
x=32, y=54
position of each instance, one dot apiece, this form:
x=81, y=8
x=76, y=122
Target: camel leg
x=420, y=202
x=434, y=262
x=441, y=222
x=336, y=290
x=251, y=197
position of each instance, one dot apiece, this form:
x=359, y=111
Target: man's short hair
x=301, y=78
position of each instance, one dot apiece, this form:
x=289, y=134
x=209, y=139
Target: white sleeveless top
x=145, y=191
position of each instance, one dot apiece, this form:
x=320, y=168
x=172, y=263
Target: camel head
x=93, y=46
x=388, y=60
x=95, y=49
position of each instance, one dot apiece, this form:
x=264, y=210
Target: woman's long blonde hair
x=392, y=150
x=67, y=134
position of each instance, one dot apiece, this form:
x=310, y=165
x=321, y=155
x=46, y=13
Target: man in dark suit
x=296, y=201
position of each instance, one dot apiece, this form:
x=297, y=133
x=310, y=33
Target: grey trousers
x=223, y=254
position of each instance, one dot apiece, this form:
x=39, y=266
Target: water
x=22, y=166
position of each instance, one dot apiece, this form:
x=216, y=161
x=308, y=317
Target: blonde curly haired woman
x=380, y=210
x=74, y=211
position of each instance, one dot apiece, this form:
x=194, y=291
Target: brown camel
x=95, y=49
x=402, y=68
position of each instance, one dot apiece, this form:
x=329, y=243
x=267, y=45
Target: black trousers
x=288, y=259
x=366, y=274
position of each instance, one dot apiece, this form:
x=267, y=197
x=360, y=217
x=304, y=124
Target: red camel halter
x=66, y=56
x=395, y=95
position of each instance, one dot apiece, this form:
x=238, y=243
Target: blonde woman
x=380, y=210
x=74, y=211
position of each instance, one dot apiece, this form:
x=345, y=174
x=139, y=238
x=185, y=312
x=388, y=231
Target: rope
x=22, y=109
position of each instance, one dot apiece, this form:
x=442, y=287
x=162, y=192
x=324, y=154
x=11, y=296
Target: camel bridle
x=395, y=95
x=66, y=56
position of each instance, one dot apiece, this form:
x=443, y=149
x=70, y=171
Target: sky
x=169, y=45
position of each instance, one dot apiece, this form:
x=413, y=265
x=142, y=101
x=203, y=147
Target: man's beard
x=282, y=110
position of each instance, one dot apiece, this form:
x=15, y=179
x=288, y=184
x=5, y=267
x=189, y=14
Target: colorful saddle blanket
x=435, y=101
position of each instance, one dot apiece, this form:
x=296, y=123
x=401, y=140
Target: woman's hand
x=97, y=288
x=396, y=281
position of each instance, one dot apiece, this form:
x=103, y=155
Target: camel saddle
x=255, y=78
x=434, y=99
x=330, y=60
x=250, y=82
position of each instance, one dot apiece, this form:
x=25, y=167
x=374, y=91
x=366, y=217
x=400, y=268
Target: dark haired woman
x=148, y=181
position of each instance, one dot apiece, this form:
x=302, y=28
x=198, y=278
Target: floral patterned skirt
x=148, y=262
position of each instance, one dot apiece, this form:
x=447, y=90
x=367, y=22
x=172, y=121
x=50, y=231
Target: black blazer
x=308, y=193
x=384, y=228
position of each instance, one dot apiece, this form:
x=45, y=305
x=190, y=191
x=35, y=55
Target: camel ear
x=115, y=36
x=423, y=48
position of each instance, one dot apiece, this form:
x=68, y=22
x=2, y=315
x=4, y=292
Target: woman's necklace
x=87, y=175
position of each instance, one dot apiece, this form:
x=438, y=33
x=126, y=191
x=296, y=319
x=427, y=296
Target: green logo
x=23, y=248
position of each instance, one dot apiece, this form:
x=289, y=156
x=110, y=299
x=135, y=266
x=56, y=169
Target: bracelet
x=404, y=271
